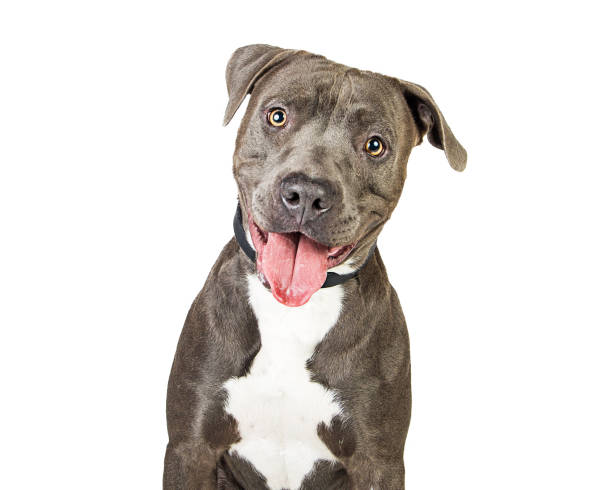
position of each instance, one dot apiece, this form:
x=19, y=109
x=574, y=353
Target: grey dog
x=293, y=367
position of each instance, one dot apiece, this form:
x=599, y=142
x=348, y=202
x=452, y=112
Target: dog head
x=320, y=160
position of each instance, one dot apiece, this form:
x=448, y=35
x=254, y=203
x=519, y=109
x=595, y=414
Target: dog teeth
x=263, y=279
x=337, y=251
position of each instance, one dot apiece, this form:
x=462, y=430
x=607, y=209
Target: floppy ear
x=431, y=122
x=245, y=67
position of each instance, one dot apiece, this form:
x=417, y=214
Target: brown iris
x=374, y=146
x=277, y=117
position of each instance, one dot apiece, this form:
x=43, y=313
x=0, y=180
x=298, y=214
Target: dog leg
x=190, y=466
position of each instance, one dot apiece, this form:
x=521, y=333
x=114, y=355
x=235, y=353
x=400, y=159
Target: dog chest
x=277, y=406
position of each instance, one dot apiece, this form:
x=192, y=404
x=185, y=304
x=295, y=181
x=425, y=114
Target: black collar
x=333, y=279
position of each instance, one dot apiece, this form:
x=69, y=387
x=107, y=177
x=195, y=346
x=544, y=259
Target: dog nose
x=305, y=198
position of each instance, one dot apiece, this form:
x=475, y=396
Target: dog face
x=320, y=160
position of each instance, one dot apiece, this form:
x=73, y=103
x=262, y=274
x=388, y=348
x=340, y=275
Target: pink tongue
x=294, y=265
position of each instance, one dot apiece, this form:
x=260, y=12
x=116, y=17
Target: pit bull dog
x=293, y=367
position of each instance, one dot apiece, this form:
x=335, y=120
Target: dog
x=293, y=366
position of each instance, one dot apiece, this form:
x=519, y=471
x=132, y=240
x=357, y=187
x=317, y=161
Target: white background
x=116, y=196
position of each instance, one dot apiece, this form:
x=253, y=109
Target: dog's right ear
x=245, y=67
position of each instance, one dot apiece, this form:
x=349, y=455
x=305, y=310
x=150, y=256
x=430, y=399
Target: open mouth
x=293, y=265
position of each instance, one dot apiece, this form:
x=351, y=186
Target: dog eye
x=277, y=117
x=375, y=147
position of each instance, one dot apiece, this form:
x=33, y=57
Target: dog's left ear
x=247, y=65
x=431, y=122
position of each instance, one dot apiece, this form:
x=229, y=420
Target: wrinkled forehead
x=322, y=88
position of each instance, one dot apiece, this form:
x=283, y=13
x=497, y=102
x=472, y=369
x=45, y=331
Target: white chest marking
x=276, y=405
